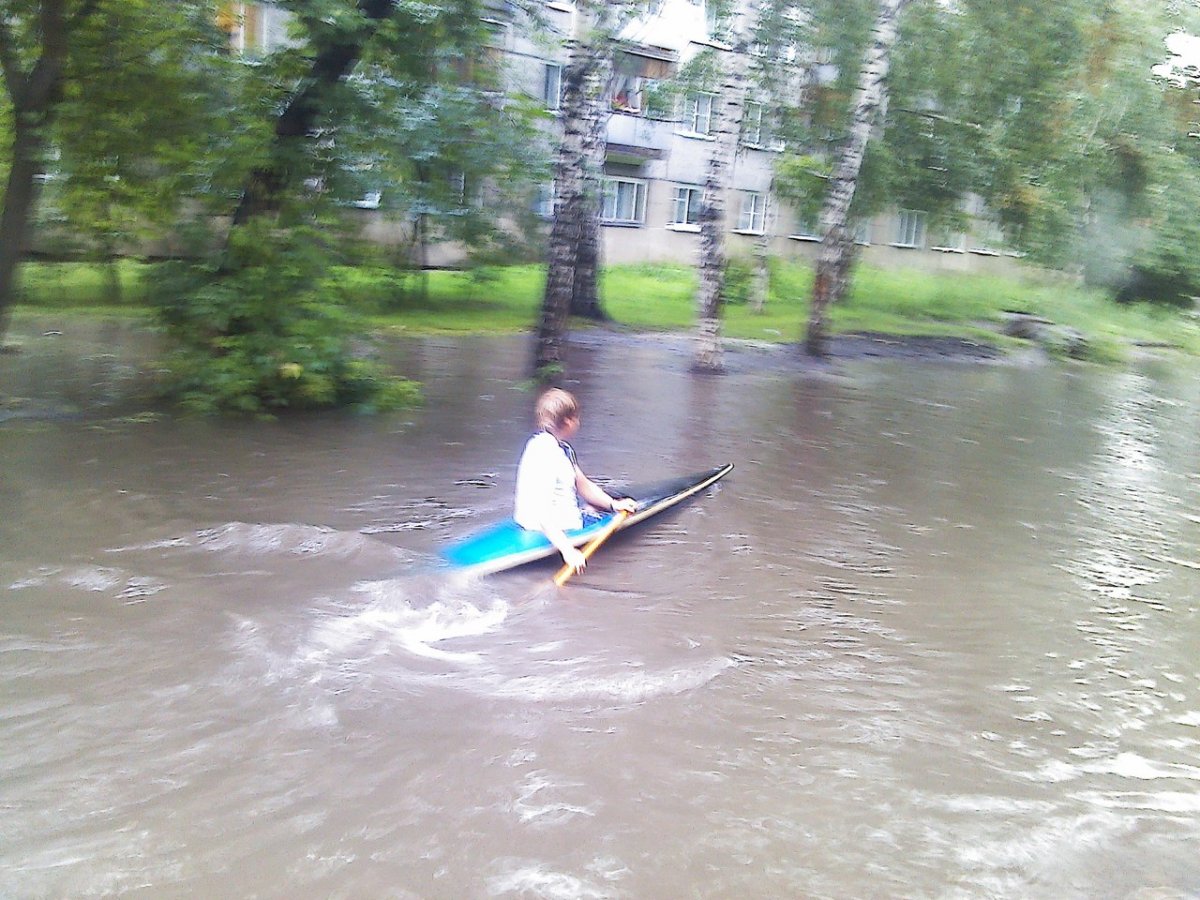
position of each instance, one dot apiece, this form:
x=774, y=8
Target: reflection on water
x=935, y=636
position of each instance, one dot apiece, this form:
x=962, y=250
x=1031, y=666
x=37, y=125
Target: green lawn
x=660, y=298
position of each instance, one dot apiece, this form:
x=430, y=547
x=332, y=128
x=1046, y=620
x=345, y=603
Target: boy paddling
x=550, y=484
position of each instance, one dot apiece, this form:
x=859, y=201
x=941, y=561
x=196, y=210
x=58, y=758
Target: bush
x=263, y=333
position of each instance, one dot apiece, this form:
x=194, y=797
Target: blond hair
x=554, y=407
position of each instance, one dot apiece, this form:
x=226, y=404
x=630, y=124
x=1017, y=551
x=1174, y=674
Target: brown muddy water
x=936, y=636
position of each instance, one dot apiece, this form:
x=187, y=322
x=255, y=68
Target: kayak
x=506, y=544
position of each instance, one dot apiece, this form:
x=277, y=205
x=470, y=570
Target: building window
x=624, y=202
x=752, y=124
x=246, y=24
x=468, y=192
x=910, y=228
x=685, y=211
x=552, y=89
x=697, y=113
x=543, y=205
x=369, y=200
x=753, y=215
x=806, y=230
x=951, y=242
x=988, y=238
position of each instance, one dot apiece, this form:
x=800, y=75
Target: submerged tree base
x=709, y=353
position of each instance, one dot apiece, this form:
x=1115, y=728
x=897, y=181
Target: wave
x=622, y=688
x=274, y=539
x=291, y=538
x=413, y=613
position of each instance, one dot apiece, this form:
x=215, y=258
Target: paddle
x=593, y=545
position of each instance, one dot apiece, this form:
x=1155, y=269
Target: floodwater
x=936, y=636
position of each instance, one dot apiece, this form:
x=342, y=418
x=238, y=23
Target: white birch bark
x=585, y=295
x=727, y=125
x=570, y=177
x=837, y=244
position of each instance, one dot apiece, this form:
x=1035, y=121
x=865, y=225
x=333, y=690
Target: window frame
x=543, y=204
x=553, y=103
x=757, y=139
x=610, y=190
x=684, y=193
x=911, y=229
x=691, y=114
x=757, y=223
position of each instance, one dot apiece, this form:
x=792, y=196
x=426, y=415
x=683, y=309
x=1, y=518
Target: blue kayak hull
x=506, y=544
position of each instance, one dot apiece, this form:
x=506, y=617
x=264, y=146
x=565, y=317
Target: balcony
x=634, y=140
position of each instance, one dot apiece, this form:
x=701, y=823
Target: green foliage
x=1165, y=268
x=1043, y=120
x=135, y=128
x=419, y=123
x=662, y=298
x=371, y=289
x=6, y=134
x=263, y=335
x=70, y=285
x=802, y=181
x=739, y=281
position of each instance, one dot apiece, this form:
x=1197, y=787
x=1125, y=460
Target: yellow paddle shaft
x=593, y=545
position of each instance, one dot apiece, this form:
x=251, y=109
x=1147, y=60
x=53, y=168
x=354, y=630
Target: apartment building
x=655, y=160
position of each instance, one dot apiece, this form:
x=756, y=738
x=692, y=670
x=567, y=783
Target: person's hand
x=624, y=504
x=574, y=558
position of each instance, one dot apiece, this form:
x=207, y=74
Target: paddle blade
x=593, y=545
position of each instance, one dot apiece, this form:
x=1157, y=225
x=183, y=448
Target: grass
x=660, y=298
x=84, y=285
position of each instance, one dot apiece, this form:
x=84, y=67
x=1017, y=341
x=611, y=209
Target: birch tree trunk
x=585, y=298
x=837, y=245
x=572, y=213
x=727, y=123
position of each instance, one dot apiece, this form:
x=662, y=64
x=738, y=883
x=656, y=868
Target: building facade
x=655, y=161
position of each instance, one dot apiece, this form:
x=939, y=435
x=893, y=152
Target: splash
x=399, y=614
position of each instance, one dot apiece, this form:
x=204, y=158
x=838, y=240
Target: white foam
x=39, y=579
x=389, y=619
x=1056, y=771
x=1163, y=801
x=547, y=811
x=627, y=687
x=291, y=538
x=94, y=578
x=541, y=882
x=1131, y=765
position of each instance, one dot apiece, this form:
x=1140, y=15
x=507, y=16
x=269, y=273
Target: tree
x=837, y=244
x=110, y=143
x=585, y=295
x=398, y=97
x=137, y=129
x=1063, y=136
x=575, y=176
x=337, y=38
x=37, y=40
x=727, y=125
